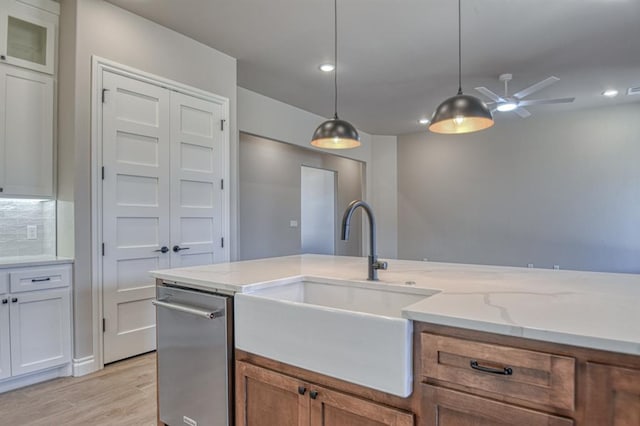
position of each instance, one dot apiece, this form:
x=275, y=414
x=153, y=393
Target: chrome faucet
x=374, y=264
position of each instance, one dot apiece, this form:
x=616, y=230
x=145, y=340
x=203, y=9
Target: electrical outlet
x=293, y=223
x=32, y=232
x=556, y=267
x=529, y=265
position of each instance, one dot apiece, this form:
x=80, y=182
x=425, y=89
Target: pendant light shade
x=461, y=113
x=335, y=133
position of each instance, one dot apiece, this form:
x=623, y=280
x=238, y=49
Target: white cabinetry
x=28, y=33
x=35, y=321
x=26, y=139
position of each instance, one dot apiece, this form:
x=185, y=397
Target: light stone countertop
x=26, y=261
x=587, y=309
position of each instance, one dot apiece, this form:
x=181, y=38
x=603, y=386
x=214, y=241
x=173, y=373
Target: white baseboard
x=33, y=378
x=84, y=366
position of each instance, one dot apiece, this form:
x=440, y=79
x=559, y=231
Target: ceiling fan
x=515, y=102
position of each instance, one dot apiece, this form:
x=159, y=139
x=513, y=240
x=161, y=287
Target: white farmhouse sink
x=348, y=330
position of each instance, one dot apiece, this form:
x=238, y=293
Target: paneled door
x=5, y=354
x=136, y=210
x=197, y=164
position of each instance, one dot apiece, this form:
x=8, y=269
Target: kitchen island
x=544, y=346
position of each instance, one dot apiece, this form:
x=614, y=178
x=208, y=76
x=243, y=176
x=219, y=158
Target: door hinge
x=222, y=125
x=104, y=325
x=103, y=249
x=102, y=172
x=222, y=242
x=221, y=183
x=104, y=95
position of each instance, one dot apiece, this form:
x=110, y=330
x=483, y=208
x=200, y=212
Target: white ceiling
x=398, y=58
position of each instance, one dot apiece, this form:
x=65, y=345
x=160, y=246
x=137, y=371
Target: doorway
x=318, y=210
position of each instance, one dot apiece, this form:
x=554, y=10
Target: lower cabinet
x=5, y=349
x=266, y=398
x=613, y=395
x=446, y=407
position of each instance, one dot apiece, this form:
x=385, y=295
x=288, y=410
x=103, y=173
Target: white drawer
x=4, y=282
x=39, y=278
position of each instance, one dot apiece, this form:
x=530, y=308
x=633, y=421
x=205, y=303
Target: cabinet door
x=27, y=36
x=5, y=360
x=613, y=396
x=40, y=330
x=445, y=407
x=331, y=408
x=26, y=143
x=266, y=398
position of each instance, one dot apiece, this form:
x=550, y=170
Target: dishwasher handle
x=189, y=309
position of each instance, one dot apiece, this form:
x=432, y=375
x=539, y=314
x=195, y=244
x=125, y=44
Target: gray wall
x=549, y=190
x=95, y=27
x=269, y=179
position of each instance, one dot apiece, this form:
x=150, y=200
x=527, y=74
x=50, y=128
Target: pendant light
x=335, y=133
x=461, y=113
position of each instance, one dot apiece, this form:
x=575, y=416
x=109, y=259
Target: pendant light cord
x=459, y=47
x=335, y=59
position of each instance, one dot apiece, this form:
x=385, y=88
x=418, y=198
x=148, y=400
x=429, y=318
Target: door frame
x=98, y=65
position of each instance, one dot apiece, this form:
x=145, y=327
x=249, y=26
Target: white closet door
x=197, y=168
x=136, y=210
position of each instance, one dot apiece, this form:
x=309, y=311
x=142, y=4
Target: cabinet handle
x=506, y=371
x=5, y=301
x=301, y=390
x=14, y=300
x=39, y=280
x=313, y=394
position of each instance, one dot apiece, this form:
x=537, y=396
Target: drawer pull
x=39, y=280
x=506, y=371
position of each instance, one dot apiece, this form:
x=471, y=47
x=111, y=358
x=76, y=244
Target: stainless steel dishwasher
x=195, y=357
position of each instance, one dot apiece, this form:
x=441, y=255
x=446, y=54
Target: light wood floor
x=124, y=393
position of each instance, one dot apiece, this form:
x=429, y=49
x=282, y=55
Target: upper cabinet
x=28, y=33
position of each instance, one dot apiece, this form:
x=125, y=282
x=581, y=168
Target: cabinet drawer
x=4, y=282
x=446, y=407
x=530, y=377
x=29, y=279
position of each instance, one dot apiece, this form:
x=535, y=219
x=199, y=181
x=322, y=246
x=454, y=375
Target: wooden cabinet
x=613, y=396
x=26, y=133
x=266, y=398
x=28, y=33
x=445, y=407
x=35, y=321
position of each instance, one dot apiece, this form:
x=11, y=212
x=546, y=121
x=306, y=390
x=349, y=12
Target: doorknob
x=163, y=249
x=5, y=301
x=14, y=300
x=176, y=249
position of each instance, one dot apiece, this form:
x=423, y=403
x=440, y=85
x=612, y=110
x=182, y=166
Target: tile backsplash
x=16, y=216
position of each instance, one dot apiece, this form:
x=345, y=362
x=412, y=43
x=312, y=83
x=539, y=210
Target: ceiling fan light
x=509, y=106
x=335, y=134
x=461, y=114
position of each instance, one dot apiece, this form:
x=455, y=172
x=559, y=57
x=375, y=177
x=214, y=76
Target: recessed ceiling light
x=610, y=93
x=509, y=106
x=327, y=67
x=423, y=121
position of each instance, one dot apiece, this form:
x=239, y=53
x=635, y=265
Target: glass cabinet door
x=27, y=38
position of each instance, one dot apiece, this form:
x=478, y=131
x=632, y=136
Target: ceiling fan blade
x=489, y=94
x=546, y=101
x=522, y=112
x=535, y=87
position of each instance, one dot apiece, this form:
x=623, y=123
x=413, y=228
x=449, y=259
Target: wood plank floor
x=123, y=393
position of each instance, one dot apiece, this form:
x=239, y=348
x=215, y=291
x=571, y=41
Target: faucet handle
x=380, y=265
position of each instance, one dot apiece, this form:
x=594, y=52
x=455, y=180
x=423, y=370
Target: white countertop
x=588, y=309
x=25, y=261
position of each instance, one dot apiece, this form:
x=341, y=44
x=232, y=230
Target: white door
x=5, y=354
x=136, y=210
x=40, y=332
x=26, y=139
x=197, y=169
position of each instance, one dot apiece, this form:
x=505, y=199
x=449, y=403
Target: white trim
x=30, y=379
x=46, y=5
x=98, y=65
x=84, y=366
